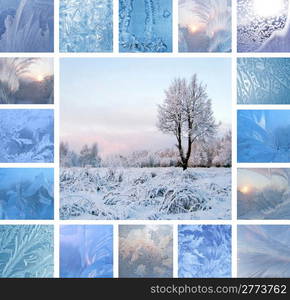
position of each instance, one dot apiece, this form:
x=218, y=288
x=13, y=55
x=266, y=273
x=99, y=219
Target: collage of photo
x=144, y=138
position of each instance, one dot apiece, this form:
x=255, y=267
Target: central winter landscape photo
x=145, y=138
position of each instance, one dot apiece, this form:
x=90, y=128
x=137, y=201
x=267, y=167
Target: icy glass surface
x=263, y=194
x=86, y=25
x=205, y=25
x=263, y=26
x=26, y=251
x=145, y=25
x=263, y=81
x=204, y=251
x=26, y=25
x=26, y=194
x=264, y=251
x=86, y=251
x=145, y=251
x=26, y=135
x=26, y=81
x=263, y=136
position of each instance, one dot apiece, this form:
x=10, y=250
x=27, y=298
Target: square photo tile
x=86, y=26
x=205, y=26
x=26, y=81
x=204, y=251
x=26, y=26
x=26, y=251
x=264, y=251
x=145, y=251
x=145, y=26
x=86, y=251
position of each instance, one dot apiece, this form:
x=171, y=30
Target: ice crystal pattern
x=264, y=251
x=204, y=25
x=204, y=251
x=26, y=194
x=86, y=251
x=145, y=251
x=27, y=136
x=26, y=251
x=255, y=30
x=86, y=25
x=26, y=26
x=263, y=81
x=145, y=25
x=263, y=136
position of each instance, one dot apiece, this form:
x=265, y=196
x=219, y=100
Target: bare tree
x=187, y=114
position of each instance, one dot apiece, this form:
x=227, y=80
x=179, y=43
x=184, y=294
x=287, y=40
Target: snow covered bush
x=204, y=251
x=26, y=26
x=26, y=194
x=145, y=25
x=263, y=251
x=145, y=193
x=26, y=251
x=26, y=136
x=86, y=25
x=145, y=251
x=86, y=251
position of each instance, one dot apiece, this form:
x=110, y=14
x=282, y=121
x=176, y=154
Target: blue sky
x=113, y=101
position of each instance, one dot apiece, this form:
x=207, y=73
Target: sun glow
x=268, y=8
x=245, y=189
x=39, y=77
x=193, y=28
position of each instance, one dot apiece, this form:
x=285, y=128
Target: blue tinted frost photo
x=263, y=194
x=26, y=251
x=204, y=26
x=86, y=251
x=27, y=136
x=204, y=251
x=145, y=251
x=26, y=25
x=26, y=194
x=263, y=80
x=86, y=25
x=26, y=81
x=264, y=251
x=263, y=136
x=263, y=26
x=145, y=26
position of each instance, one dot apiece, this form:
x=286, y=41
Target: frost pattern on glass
x=86, y=25
x=205, y=25
x=26, y=136
x=263, y=194
x=264, y=251
x=26, y=81
x=263, y=136
x=26, y=251
x=145, y=193
x=145, y=25
x=26, y=194
x=145, y=251
x=86, y=251
x=26, y=26
x=258, y=31
x=204, y=251
x=263, y=81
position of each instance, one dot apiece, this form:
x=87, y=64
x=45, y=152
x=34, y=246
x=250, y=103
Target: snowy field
x=145, y=193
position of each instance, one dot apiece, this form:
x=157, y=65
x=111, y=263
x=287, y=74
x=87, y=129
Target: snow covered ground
x=145, y=193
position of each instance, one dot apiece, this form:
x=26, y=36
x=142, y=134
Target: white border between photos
x=234, y=107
